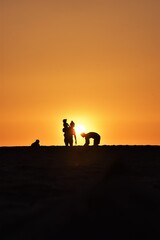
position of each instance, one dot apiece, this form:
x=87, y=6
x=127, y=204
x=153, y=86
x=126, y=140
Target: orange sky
x=95, y=62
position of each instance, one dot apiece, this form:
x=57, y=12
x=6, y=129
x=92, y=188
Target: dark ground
x=107, y=192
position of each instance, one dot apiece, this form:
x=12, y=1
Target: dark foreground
x=108, y=192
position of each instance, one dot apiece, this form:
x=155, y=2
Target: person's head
x=72, y=124
x=64, y=120
x=37, y=141
x=83, y=134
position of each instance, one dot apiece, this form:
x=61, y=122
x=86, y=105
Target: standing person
x=93, y=135
x=66, y=129
x=72, y=133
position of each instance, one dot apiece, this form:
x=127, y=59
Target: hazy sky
x=96, y=62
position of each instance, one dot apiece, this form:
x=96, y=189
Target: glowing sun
x=79, y=129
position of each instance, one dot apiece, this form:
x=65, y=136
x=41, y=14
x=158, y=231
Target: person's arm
x=75, y=137
x=87, y=141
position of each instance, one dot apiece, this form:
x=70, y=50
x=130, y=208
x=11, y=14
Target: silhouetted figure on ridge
x=69, y=132
x=96, y=137
x=72, y=133
x=66, y=131
x=35, y=144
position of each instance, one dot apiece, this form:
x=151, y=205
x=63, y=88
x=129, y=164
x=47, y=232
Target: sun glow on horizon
x=69, y=72
x=79, y=129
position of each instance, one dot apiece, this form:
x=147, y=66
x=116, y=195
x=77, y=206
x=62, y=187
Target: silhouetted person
x=35, y=144
x=66, y=129
x=72, y=133
x=96, y=137
x=69, y=132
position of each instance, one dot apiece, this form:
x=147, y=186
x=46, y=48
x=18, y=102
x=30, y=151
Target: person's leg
x=96, y=141
x=66, y=140
x=71, y=142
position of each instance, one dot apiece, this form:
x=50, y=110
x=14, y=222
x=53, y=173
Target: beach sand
x=57, y=192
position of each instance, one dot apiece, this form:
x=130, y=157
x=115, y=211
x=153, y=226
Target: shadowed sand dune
x=104, y=192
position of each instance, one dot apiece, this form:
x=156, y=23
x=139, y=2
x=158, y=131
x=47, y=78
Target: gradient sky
x=96, y=62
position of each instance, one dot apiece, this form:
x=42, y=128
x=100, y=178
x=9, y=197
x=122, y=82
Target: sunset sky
x=96, y=62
